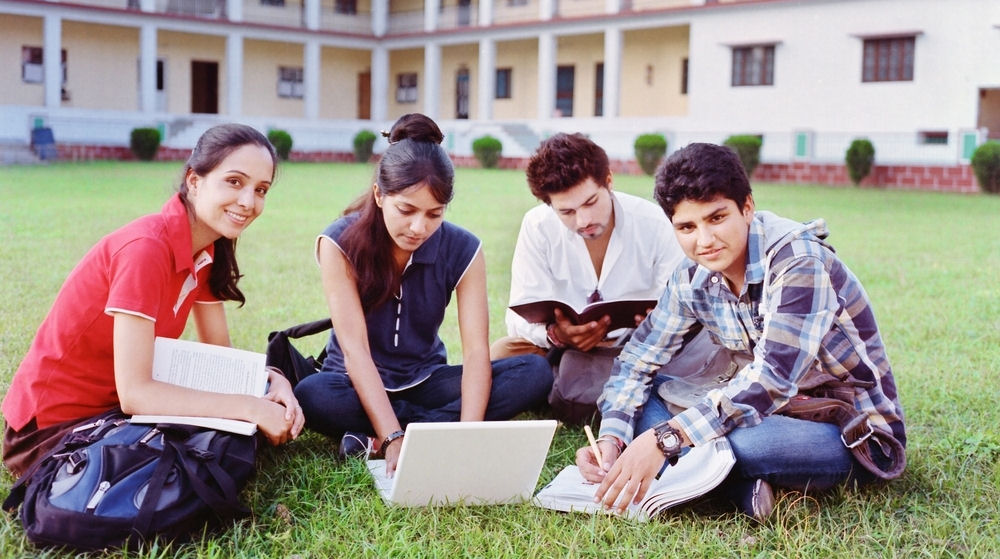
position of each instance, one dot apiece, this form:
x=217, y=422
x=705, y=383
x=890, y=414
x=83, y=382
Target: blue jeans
x=331, y=404
x=785, y=452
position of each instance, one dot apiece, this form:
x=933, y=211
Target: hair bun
x=416, y=127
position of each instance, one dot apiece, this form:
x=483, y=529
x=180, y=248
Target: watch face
x=670, y=440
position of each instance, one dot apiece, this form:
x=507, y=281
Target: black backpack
x=110, y=481
x=283, y=355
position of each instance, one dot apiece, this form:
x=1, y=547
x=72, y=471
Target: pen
x=593, y=446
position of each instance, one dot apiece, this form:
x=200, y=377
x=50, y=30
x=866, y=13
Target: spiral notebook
x=468, y=462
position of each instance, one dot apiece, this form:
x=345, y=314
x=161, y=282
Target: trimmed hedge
x=649, y=151
x=282, y=142
x=144, y=143
x=364, y=141
x=747, y=147
x=487, y=150
x=859, y=159
x=986, y=166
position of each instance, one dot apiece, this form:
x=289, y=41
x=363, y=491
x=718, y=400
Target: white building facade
x=916, y=77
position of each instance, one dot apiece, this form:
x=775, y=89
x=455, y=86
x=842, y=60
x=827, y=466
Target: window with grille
x=406, y=88
x=290, y=84
x=888, y=59
x=753, y=65
x=503, y=83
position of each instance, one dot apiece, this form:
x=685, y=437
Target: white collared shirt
x=551, y=261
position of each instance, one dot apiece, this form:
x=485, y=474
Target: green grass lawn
x=930, y=262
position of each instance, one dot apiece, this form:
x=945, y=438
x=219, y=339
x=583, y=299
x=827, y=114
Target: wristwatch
x=669, y=440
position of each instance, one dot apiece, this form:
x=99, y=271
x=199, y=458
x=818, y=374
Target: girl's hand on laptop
x=391, y=454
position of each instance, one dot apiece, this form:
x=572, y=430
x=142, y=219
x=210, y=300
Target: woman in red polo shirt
x=94, y=350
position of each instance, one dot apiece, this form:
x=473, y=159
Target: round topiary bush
x=144, y=143
x=747, y=147
x=859, y=159
x=986, y=166
x=487, y=150
x=282, y=142
x=363, y=142
x=649, y=151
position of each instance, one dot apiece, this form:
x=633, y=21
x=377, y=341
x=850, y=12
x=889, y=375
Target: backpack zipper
x=98, y=495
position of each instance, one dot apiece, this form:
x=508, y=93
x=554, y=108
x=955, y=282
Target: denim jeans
x=331, y=404
x=785, y=452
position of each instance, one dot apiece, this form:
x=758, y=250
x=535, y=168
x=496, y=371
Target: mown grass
x=929, y=261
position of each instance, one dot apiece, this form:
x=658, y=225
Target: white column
x=147, y=5
x=612, y=71
x=234, y=74
x=380, y=84
x=432, y=79
x=311, y=74
x=234, y=10
x=546, y=75
x=612, y=6
x=312, y=13
x=380, y=17
x=431, y=8
x=485, y=13
x=52, y=60
x=487, y=77
x=546, y=8
x=147, y=68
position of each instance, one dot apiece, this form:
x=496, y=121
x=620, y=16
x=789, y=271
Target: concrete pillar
x=380, y=17
x=234, y=10
x=52, y=60
x=546, y=75
x=380, y=84
x=312, y=14
x=431, y=10
x=613, y=39
x=432, y=79
x=485, y=13
x=234, y=74
x=546, y=9
x=487, y=77
x=147, y=68
x=311, y=74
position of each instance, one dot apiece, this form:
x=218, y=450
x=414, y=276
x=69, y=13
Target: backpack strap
x=855, y=431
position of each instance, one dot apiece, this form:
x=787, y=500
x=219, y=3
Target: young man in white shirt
x=586, y=243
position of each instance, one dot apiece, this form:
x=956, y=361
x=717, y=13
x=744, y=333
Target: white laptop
x=468, y=462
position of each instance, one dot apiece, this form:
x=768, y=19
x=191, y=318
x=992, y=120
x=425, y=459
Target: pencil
x=593, y=445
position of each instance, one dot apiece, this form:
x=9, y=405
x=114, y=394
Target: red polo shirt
x=144, y=268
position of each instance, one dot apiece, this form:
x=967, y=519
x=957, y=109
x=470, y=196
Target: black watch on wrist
x=669, y=440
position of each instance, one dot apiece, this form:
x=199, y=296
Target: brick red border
x=953, y=178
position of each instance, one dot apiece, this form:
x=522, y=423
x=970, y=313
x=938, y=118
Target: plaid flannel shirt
x=811, y=313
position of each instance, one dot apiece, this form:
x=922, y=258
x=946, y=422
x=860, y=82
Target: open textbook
x=621, y=311
x=211, y=368
x=697, y=471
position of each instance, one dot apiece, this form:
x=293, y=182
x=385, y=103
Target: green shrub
x=859, y=159
x=282, y=142
x=144, y=143
x=363, y=142
x=487, y=150
x=649, y=151
x=747, y=147
x=986, y=166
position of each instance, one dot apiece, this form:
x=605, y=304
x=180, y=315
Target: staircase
x=16, y=153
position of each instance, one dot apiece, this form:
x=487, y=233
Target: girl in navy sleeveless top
x=389, y=266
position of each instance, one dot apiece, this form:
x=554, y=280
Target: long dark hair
x=414, y=156
x=215, y=145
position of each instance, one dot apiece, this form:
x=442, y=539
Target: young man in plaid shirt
x=772, y=290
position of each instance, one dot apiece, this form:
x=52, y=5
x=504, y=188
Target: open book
x=621, y=311
x=697, y=471
x=211, y=368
